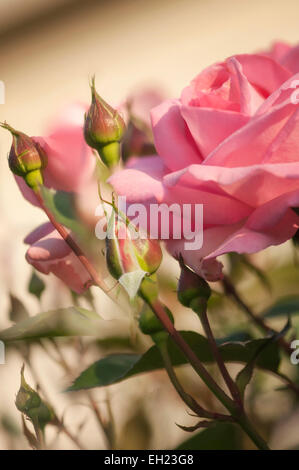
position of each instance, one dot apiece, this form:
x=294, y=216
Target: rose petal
x=173, y=139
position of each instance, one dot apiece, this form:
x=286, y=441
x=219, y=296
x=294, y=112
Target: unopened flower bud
x=125, y=253
x=193, y=290
x=103, y=129
x=26, y=158
x=29, y=402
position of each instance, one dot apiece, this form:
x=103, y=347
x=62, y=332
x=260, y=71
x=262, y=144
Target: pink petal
x=278, y=50
x=48, y=248
x=209, y=127
x=49, y=253
x=242, y=90
x=38, y=233
x=253, y=185
x=173, y=139
x=141, y=182
x=263, y=72
x=211, y=88
x=248, y=145
x=143, y=100
x=70, y=161
x=247, y=240
x=218, y=208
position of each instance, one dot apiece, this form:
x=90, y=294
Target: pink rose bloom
x=70, y=160
x=231, y=143
x=49, y=253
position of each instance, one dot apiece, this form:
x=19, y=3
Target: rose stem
x=233, y=388
x=89, y=395
x=187, y=399
x=73, y=245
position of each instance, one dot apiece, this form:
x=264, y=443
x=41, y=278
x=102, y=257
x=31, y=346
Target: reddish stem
x=73, y=245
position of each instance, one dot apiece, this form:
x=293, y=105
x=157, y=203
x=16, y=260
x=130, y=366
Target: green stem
x=246, y=425
x=158, y=309
x=233, y=388
x=188, y=399
x=172, y=376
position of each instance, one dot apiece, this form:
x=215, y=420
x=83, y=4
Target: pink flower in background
x=286, y=55
x=143, y=100
x=70, y=167
x=138, y=139
x=70, y=161
x=49, y=253
x=231, y=143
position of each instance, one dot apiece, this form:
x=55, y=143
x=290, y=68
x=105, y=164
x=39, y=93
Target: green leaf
x=238, y=335
x=257, y=271
x=18, y=311
x=72, y=321
x=62, y=205
x=122, y=368
x=238, y=261
x=220, y=436
x=245, y=375
x=284, y=306
x=36, y=285
x=106, y=371
x=31, y=439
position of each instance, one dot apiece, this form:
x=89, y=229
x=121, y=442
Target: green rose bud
x=29, y=402
x=193, y=291
x=26, y=158
x=103, y=129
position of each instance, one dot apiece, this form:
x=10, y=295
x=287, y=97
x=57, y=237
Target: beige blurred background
x=50, y=48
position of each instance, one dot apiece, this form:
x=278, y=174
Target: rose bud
x=26, y=158
x=29, y=402
x=193, y=291
x=126, y=251
x=103, y=129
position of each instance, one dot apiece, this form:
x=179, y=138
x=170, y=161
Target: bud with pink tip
x=127, y=251
x=103, y=129
x=193, y=291
x=26, y=158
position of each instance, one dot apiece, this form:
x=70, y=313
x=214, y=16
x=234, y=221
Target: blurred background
x=49, y=50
